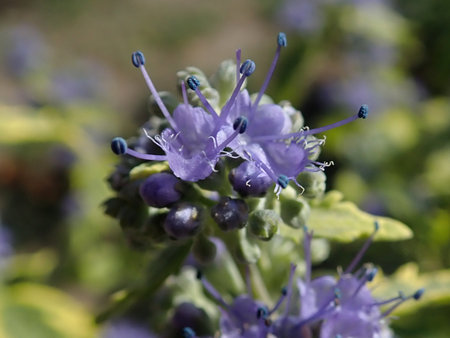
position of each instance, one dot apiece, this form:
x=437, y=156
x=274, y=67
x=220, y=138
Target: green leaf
x=35, y=311
x=344, y=222
x=408, y=279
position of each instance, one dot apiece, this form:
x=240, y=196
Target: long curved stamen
x=324, y=310
x=281, y=42
x=238, y=64
x=363, y=250
x=211, y=290
x=148, y=157
x=289, y=289
x=416, y=295
x=390, y=300
x=119, y=147
x=194, y=83
x=368, y=277
x=280, y=300
x=247, y=68
x=138, y=61
x=362, y=114
x=239, y=126
x=261, y=165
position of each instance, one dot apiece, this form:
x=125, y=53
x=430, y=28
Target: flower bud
x=188, y=319
x=313, y=182
x=183, y=220
x=204, y=86
x=264, y=223
x=230, y=213
x=294, y=211
x=224, y=80
x=160, y=190
x=249, y=180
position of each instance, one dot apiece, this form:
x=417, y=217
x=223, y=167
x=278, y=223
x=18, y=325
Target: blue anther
x=188, y=332
x=138, y=59
x=284, y=291
x=418, y=294
x=283, y=181
x=247, y=68
x=376, y=225
x=241, y=122
x=363, y=111
x=261, y=312
x=193, y=82
x=337, y=293
x=371, y=274
x=338, y=336
x=119, y=146
x=281, y=39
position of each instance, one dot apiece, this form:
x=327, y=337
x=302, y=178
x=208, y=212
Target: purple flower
x=195, y=140
x=333, y=307
x=269, y=142
x=261, y=134
x=248, y=180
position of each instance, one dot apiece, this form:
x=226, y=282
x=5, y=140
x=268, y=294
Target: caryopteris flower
x=332, y=307
x=259, y=133
x=195, y=140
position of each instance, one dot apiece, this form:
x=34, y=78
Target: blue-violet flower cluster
x=260, y=134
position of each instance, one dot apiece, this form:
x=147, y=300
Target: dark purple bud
x=248, y=180
x=189, y=321
x=138, y=59
x=118, y=146
x=160, y=190
x=184, y=220
x=230, y=213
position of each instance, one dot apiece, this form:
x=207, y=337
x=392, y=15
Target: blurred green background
x=67, y=86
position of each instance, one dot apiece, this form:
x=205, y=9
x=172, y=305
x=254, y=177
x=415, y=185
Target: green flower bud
x=224, y=80
x=211, y=94
x=294, y=212
x=313, y=182
x=264, y=223
x=203, y=249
